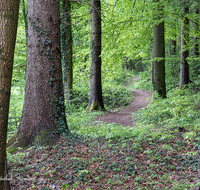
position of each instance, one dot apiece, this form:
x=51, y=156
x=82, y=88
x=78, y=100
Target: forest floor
x=84, y=163
x=124, y=116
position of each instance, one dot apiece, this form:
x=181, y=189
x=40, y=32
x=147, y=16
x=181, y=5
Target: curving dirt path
x=124, y=116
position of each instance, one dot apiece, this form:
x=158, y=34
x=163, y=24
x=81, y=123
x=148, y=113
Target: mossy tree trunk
x=43, y=117
x=9, y=10
x=96, y=99
x=158, y=65
x=67, y=45
x=184, y=68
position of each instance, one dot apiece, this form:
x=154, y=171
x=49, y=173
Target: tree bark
x=196, y=29
x=25, y=20
x=96, y=99
x=174, y=47
x=6, y=182
x=8, y=28
x=184, y=69
x=67, y=46
x=43, y=117
x=158, y=64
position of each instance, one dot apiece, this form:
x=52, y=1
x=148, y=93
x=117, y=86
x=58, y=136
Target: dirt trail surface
x=124, y=117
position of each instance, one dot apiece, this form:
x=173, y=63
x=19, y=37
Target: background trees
x=8, y=28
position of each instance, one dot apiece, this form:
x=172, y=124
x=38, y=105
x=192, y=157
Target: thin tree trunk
x=159, y=59
x=174, y=47
x=184, y=69
x=43, y=117
x=25, y=20
x=67, y=46
x=8, y=28
x=196, y=29
x=96, y=99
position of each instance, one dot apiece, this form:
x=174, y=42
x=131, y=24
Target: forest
x=99, y=94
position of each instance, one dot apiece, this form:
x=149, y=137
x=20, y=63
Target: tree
x=25, y=20
x=67, y=45
x=196, y=29
x=158, y=65
x=8, y=22
x=96, y=99
x=43, y=117
x=184, y=69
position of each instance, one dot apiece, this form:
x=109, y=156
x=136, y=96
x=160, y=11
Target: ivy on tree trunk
x=43, y=117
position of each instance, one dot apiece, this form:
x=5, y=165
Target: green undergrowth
x=113, y=96
x=81, y=122
x=180, y=111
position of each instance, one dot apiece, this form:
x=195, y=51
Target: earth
x=124, y=116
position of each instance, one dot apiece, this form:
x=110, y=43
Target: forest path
x=124, y=116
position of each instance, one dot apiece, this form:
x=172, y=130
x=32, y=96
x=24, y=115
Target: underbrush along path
x=124, y=116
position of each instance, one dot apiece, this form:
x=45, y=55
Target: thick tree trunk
x=43, y=116
x=96, y=100
x=67, y=45
x=8, y=28
x=158, y=65
x=184, y=69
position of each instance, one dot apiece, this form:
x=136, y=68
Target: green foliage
x=179, y=111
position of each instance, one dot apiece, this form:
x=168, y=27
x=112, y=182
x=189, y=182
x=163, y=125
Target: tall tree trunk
x=159, y=59
x=67, y=45
x=43, y=116
x=25, y=20
x=8, y=28
x=96, y=99
x=196, y=29
x=184, y=69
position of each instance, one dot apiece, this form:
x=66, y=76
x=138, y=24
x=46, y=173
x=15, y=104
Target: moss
x=94, y=106
x=43, y=137
x=13, y=142
x=12, y=139
x=11, y=149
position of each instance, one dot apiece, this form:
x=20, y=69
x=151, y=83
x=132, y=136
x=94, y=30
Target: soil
x=124, y=116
